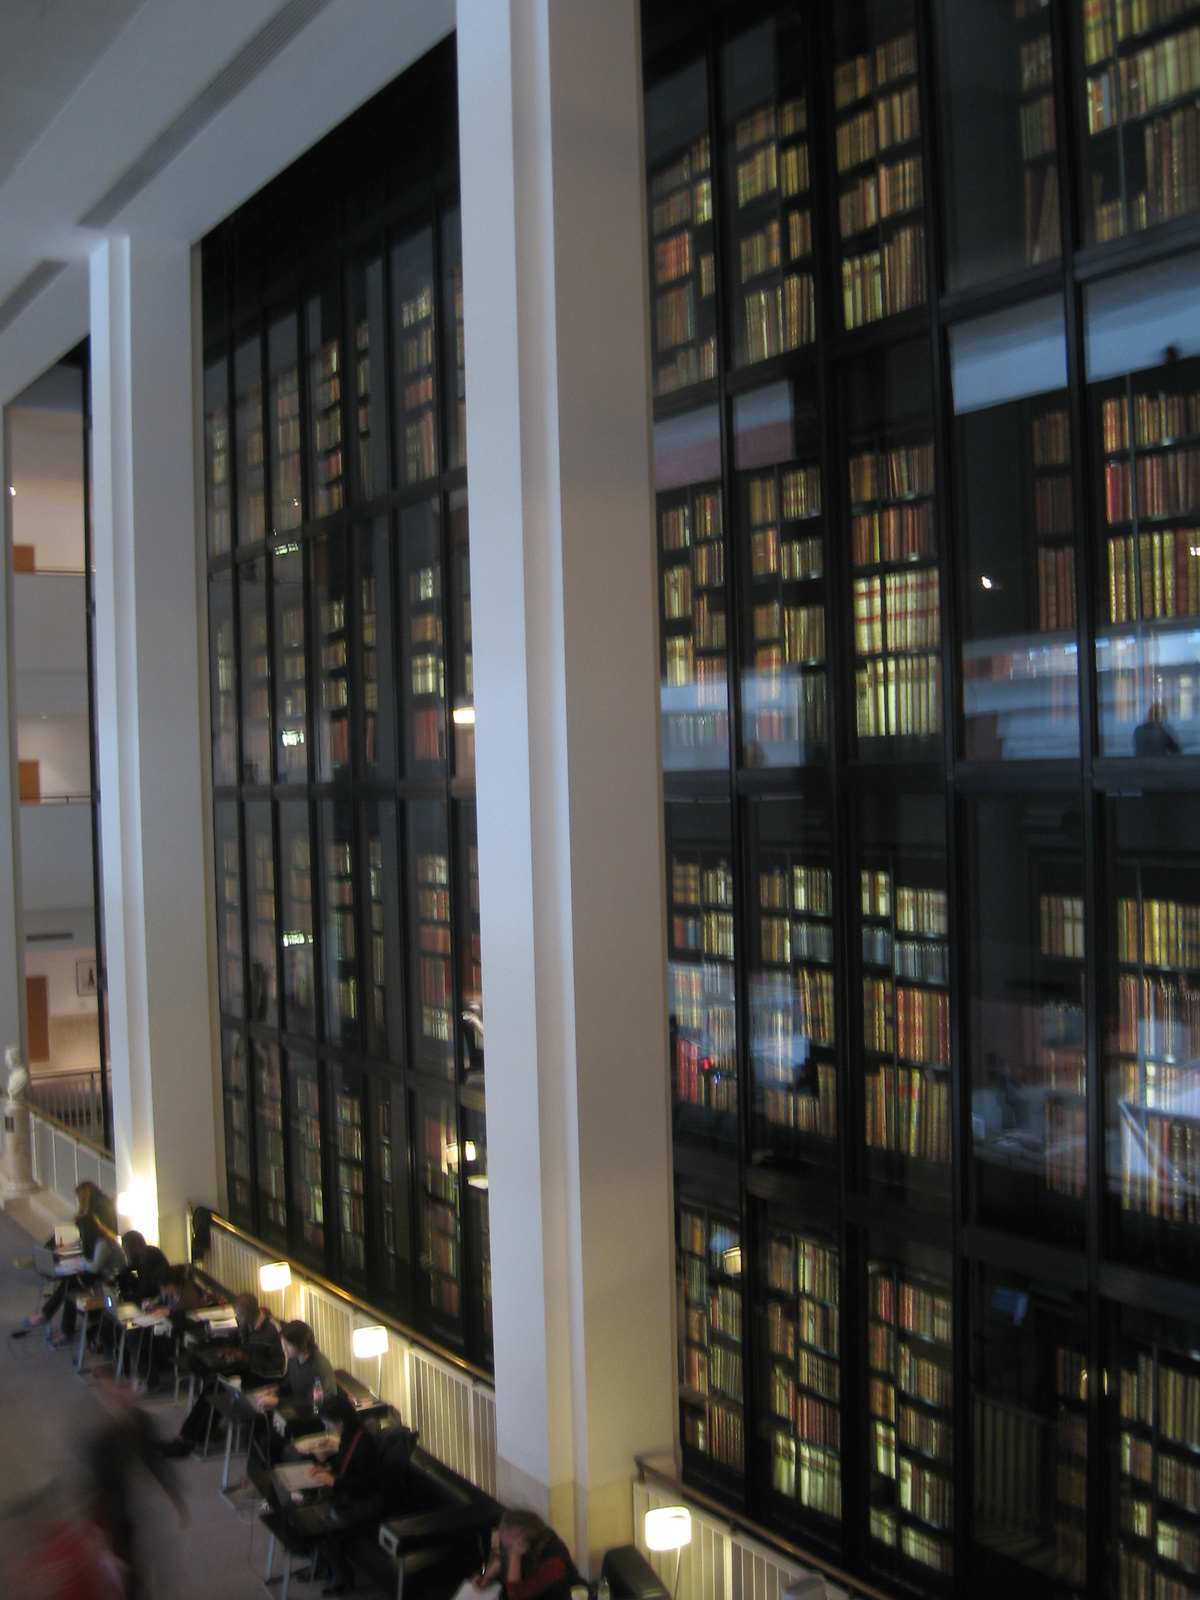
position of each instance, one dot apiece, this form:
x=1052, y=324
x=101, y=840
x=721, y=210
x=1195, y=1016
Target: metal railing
x=450, y=1403
x=72, y=1098
x=62, y=1158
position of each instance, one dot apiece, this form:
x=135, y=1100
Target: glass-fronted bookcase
x=924, y=280
x=342, y=713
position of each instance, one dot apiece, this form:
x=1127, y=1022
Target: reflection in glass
x=340, y=946
x=1016, y=512
x=1153, y=1028
x=1027, y=1037
x=800, y=1381
x=291, y=696
x=380, y=879
x=430, y=950
x=373, y=595
x=792, y=1007
x=330, y=577
x=260, y=875
x=346, y=1089
x=910, y=1421
x=463, y=711
x=781, y=541
x=216, y=457
x=248, y=410
x=691, y=565
x=701, y=971
x=683, y=277
x=423, y=649
x=766, y=106
x=299, y=999
x=389, y=1132
x=1144, y=368
x=229, y=906
x=708, y=1271
x=325, y=468
x=414, y=357
x=368, y=410
x=454, y=361
x=256, y=672
x=438, y=1166
x=268, y=1140
x=904, y=925
x=307, y=1185
x=478, y=1221
x=237, y=1128
x=283, y=372
x=999, y=139
x=1029, y=1434
x=470, y=948
x=223, y=678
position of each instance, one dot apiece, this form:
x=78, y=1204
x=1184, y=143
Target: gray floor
x=45, y=1409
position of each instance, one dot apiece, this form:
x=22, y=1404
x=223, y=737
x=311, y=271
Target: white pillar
x=148, y=720
x=12, y=938
x=567, y=753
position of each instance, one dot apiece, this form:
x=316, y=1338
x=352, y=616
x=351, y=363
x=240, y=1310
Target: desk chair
x=88, y=1306
x=43, y=1265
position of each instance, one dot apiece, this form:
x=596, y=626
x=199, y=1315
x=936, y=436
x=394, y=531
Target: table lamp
x=669, y=1528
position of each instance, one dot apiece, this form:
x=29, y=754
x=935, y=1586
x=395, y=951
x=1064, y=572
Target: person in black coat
x=139, y=1282
x=353, y=1477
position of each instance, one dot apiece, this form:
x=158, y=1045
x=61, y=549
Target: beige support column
x=567, y=753
x=148, y=718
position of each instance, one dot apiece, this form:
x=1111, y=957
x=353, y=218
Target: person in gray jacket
x=103, y=1265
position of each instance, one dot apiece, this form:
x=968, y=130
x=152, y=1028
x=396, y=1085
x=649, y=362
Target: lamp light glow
x=668, y=1528
x=274, y=1275
x=369, y=1341
x=464, y=716
x=139, y=1205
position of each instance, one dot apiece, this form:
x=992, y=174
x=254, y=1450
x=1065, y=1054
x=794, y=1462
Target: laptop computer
x=294, y=1481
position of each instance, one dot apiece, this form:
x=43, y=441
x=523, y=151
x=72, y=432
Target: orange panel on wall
x=29, y=782
x=37, y=1006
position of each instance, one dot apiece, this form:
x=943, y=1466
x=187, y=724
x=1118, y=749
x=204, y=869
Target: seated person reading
x=257, y=1357
x=532, y=1563
x=102, y=1264
x=139, y=1282
x=95, y=1215
x=298, y=1397
x=353, y=1477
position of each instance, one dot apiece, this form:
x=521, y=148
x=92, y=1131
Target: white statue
x=18, y=1074
x=18, y=1152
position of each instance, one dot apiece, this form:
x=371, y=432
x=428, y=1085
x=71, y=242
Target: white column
x=567, y=753
x=148, y=718
x=12, y=939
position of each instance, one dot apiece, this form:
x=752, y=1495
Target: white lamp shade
x=668, y=1528
x=274, y=1275
x=371, y=1341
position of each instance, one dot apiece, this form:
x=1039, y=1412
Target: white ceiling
x=103, y=88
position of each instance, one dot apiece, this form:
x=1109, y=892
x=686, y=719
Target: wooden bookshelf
x=433, y=1014
x=283, y=409
x=683, y=268
x=414, y=332
x=223, y=678
x=701, y=968
x=1038, y=133
x=269, y=1163
x=367, y=407
x=230, y=981
x=291, y=664
x=340, y=946
x=329, y=585
x=307, y=1206
x=692, y=578
x=237, y=1126
x=299, y=998
x=351, y=1181
x=711, y=1393
x=1158, y=1490
x=325, y=454
x=423, y=636
x=257, y=766
x=250, y=457
x=261, y=914
x=218, y=511
x=438, y=1195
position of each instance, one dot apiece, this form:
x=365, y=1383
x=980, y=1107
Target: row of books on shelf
x=1131, y=17
x=1160, y=1169
x=1169, y=933
x=717, y=1431
x=801, y=1111
x=1037, y=127
x=701, y=516
x=1156, y=576
x=1060, y=921
x=902, y=473
x=898, y=696
x=1052, y=506
x=764, y=122
x=695, y=364
x=808, y=1473
x=1145, y=79
x=804, y=941
x=897, y=186
x=1065, y=1138
x=815, y=1324
x=1157, y=1018
x=802, y=1265
x=897, y=611
x=884, y=283
x=896, y=533
x=1172, y=151
x=917, y=1308
x=711, y=933
x=925, y=1494
x=908, y=1113
x=811, y=890
x=699, y=1081
x=1168, y=484
x=1160, y=418
x=894, y=119
x=781, y=317
x=855, y=78
x=802, y=629
x=718, y=1369
x=922, y=1022
x=1056, y=589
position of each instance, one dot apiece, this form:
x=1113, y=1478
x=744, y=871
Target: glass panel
x=893, y=546
x=1143, y=358
x=683, y=247
x=291, y=700
x=1153, y=1029
x=330, y=577
x=229, y=906
x=1027, y=1037
x=389, y=1131
x=708, y=1268
x=1029, y=1390
x=260, y=876
x=470, y=950
x=881, y=182
x=248, y=410
x=478, y=1225
x=1138, y=118
x=904, y=924
x=340, y=951
x=1017, y=524
x=454, y=363
x=283, y=373
x=765, y=73
x=999, y=140
x=268, y=1132
x=781, y=544
x=691, y=564
x=381, y=895
x=910, y=1419
x=326, y=484
x=424, y=660
x=800, y=1426
x=348, y=1162
x=701, y=967
x=299, y=1000
x=463, y=683
x=237, y=1128
x=369, y=413
x=438, y=1215
x=223, y=678
x=429, y=917
x=413, y=333
x=373, y=596
x=308, y=1194
x=792, y=1005
x=1152, y=1449
x=256, y=672
x=216, y=457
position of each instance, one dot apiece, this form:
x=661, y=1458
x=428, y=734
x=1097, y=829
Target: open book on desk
x=216, y=1319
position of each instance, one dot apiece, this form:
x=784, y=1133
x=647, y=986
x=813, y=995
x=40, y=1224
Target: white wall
x=58, y=742
x=46, y=470
x=58, y=968
x=56, y=857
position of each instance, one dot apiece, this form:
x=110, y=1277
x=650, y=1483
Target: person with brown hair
x=532, y=1562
